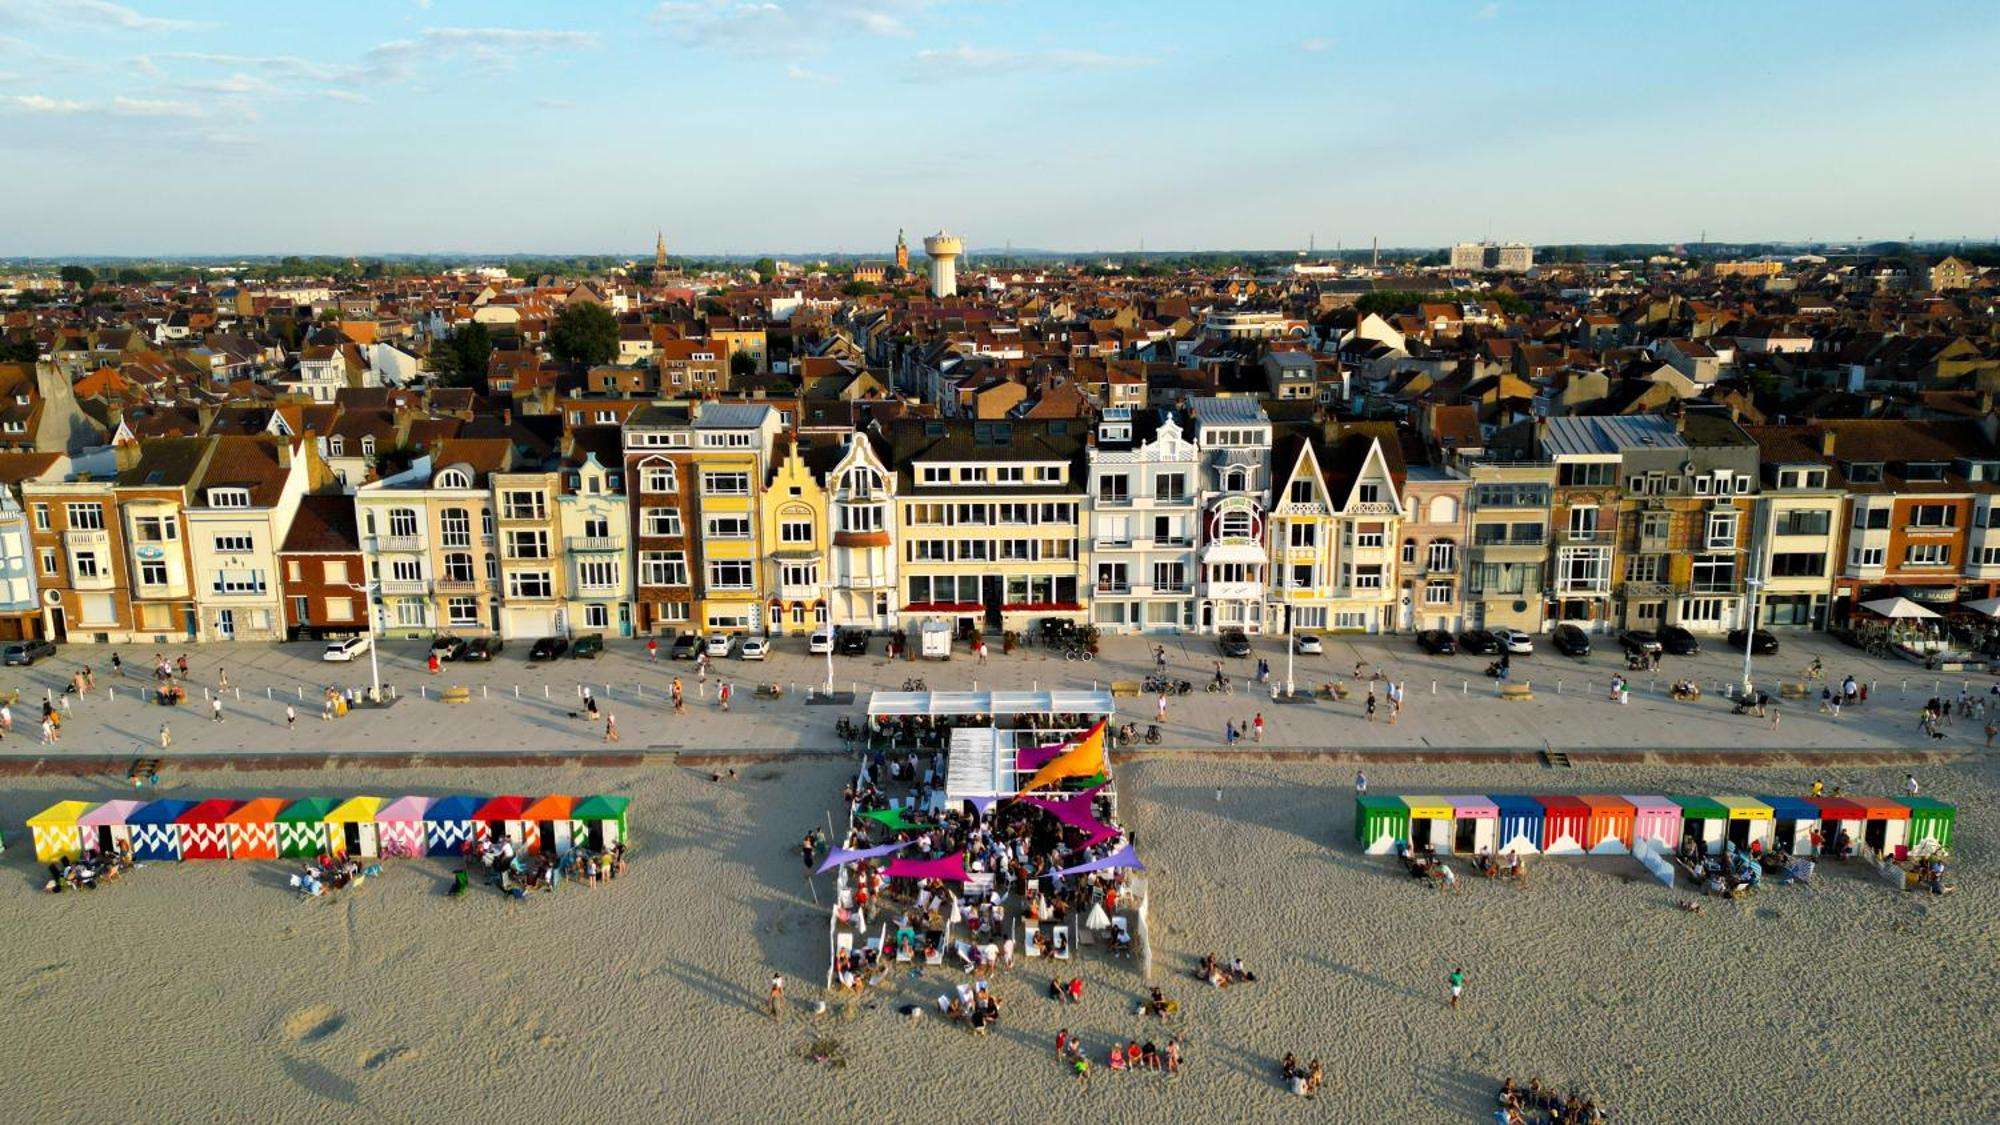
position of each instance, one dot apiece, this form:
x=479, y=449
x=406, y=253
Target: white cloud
x=119, y=106
x=41, y=103
x=937, y=64
x=797, y=73
x=495, y=48
x=555, y=103
x=1316, y=43
x=756, y=25
x=347, y=96
x=1489, y=11
x=283, y=66
x=100, y=14
x=122, y=106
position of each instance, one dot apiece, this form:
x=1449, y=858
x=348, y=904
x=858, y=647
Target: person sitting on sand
x=1240, y=974
x=1315, y=1075
x=1117, y=1056
x=1152, y=1055
x=1076, y=990
x=1288, y=1068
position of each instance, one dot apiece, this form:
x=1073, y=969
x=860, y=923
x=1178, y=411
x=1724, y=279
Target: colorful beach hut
x=56, y=833
x=1609, y=830
x=205, y=829
x=156, y=829
x=108, y=828
x=1751, y=821
x=1520, y=823
x=551, y=817
x=302, y=827
x=501, y=818
x=1885, y=825
x=1703, y=818
x=1380, y=823
x=1838, y=814
x=1430, y=822
x=448, y=825
x=1565, y=825
x=253, y=828
x=1930, y=820
x=350, y=827
x=1475, y=824
x=598, y=823
x=1655, y=820
x=1792, y=822
x=399, y=826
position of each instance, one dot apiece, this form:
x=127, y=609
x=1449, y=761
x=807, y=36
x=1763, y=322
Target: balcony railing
x=1584, y=535
x=400, y=543
x=1534, y=538
x=404, y=586
x=583, y=543
x=457, y=586
x=1114, y=587
x=1172, y=541
x=1114, y=501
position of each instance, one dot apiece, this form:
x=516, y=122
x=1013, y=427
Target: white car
x=1514, y=641
x=1306, y=644
x=820, y=643
x=345, y=650
x=720, y=644
x=754, y=648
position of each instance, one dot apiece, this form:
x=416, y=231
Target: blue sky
x=168, y=126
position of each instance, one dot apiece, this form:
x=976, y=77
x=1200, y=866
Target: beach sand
x=207, y=991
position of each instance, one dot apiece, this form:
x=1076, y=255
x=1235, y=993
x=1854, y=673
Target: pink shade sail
x=951, y=867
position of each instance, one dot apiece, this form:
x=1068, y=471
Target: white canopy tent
x=1898, y=609
x=943, y=704
x=1985, y=607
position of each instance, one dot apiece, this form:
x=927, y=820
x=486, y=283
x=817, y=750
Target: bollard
x=239, y=695
x=482, y=691
x=1559, y=687
x=607, y=691
x=204, y=694
x=112, y=694
x=423, y=692
x=517, y=691
x=302, y=693
x=267, y=693
x=545, y=691
x=1906, y=687
x=1465, y=687
x=1434, y=687
x=638, y=691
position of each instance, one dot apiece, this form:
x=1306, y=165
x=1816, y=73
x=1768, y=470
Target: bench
x=1515, y=691
x=770, y=691
x=456, y=695
x=1124, y=689
x=1793, y=690
x=10, y=698
x=1335, y=692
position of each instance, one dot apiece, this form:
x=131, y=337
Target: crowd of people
x=1535, y=1103
x=85, y=872
x=515, y=874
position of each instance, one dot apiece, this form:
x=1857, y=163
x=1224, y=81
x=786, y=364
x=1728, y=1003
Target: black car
x=589, y=646
x=1436, y=641
x=480, y=648
x=1761, y=643
x=1479, y=642
x=25, y=653
x=1678, y=641
x=851, y=642
x=547, y=648
x=1640, y=642
x=444, y=646
x=1571, y=640
x=687, y=646
x=1233, y=642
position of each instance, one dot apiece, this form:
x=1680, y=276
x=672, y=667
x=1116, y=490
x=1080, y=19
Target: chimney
x=1826, y=440
x=284, y=450
x=127, y=454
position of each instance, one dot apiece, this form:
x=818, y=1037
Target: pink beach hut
x=399, y=826
x=107, y=828
x=1475, y=824
x=1656, y=821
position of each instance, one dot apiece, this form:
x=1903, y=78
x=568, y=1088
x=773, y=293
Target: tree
x=766, y=268
x=19, y=348
x=79, y=276
x=130, y=276
x=742, y=364
x=859, y=289
x=459, y=360
x=584, y=335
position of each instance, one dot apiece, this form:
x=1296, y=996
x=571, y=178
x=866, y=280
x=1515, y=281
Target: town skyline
x=441, y=125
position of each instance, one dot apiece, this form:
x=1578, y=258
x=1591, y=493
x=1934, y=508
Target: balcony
x=102, y=580
x=399, y=544
x=86, y=538
x=404, y=586
x=524, y=515
x=1716, y=586
x=1530, y=537
x=594, y=544
x=1655, y=544
x=1114, y=587
x=1585, y=536
x=456, y=586
x=1175, y=541
x=1174, y=498
x=1114, y=501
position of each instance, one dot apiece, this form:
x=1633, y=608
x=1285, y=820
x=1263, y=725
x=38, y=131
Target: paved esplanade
x=517, y=706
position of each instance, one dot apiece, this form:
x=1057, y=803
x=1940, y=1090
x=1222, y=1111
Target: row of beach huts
x=1603, y=824
x=363, y=827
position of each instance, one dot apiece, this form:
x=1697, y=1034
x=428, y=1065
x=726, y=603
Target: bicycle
x=1079, y=652
x=1224, y=687
x=915, y=685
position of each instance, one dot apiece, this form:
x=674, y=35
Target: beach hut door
x=596, y=835
x=105, y=843
x=1787, y=834
x=1876, y=833
x=549, y=836
x=1739, y=833
x=351, y=834
x=1465, y=839
x=1420, y=833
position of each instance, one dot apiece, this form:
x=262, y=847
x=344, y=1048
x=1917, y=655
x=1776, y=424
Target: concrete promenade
x=520, y=711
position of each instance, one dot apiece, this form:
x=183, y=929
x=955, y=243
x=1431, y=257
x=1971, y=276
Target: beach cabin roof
x=1606, y=803
x=1513, y=804
x=261, y=810
x=62, y=814
x=1651, y=804
x=1562, y=802
x=1474, y=807
x=1428, y=807
x=160, y=812
x=1790, y=808
x=945, y=703
x=453, y=808
x=404, y=809
x=1745, y=808
x=1701, y=808
x=1882, y=808
x=215, y=810
x=356, y=810
x=308, y=810
x=552, y=807
x=502, y=808
x=1838, y=808
x=111, y=813
x=600, y=808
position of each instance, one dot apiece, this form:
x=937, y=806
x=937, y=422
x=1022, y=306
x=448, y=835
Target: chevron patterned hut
x=448, y=825
x=551, y=817
x=350, y=827
x=501, y=818
x=156, y=829
x=108, y=827
x=302, y=827
x=205, y=829
x=253, y=829
x=399, y=826
x=598, y=823
x=56, y=833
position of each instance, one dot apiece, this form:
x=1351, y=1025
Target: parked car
x=1436, y=641
x=1307, y=644
x=851, y=642
x=1678, y=641
x=342, y=650
x=590, y=646
x=719, y=644
x=1233, y=642
x=753, y=648
x=686, y=647
x=820, y=643
x=1761, y=643
x=1571, y=640
x=548, y=648
x=1639, y=642
x=444, y=646
x=1479, y=642
x=25, y=653
x=1515, y=641
x=481, y=648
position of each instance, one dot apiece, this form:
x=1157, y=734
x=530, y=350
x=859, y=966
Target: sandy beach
x=210, y=992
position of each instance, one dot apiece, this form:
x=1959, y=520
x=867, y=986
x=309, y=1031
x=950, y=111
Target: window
x=1301, y=576
x=1643, y=569
x=795, y=531
x=409, y=612
x=522, y=504
x=1114, y=489
x=1933, y=517
x=1798, y=564
x=1236, y=480
x=1586, y=568
x=528, y=544
x=41, y=517
x=339, y=609
x=862, y=483
x=1169, y=578
x=336, y=446
x=458, y=567
x=1928, y=555
x=368, y=445
x=1368, y=577
x=239, y=582
x=1170, y=488
x=1805, y=523
x=934, y=474
x=663, y=568
x=1590, y=474
x=596, y=617
x=597, y=573
x=1866, y=556
x=1409, y=552
x=48, y=557
x=728, y=527
x=85, y=564
x=1864, y=472
x=1923, y=470
x=403, y=522
x=799, y=574
x=1713, y=575
x=456, y=527
x=1369, y=493
x=1873, y=519
x=1302, y=492
x=725, y=484
x=530, y=584
x=1010, y=474
x=462, y=611
x=1368, y=536
x=228, y=497
x=657, y=478
x=1989, y=556
x=659, y=521
x=155, y=529
x=1439, y=593
x=730, y=574
x=153, y=573
x=232, y=544
x=84, y=517
x=1721, y=531
x=1303, y=534
x=1444, y=509
x=1112, y=578
x=868, y=517
x=1443, y=555
x=1237, y=523
x=406, y=570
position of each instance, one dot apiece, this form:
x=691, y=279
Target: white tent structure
x=1092, y=705
x=1985, y=607
x=1898, y=609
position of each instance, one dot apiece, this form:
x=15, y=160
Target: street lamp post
x=374, y=666
x=1750, y=630
x=1291, y=637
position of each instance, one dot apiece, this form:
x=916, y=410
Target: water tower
x=944, y=250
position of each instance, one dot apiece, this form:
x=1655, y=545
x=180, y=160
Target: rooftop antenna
x=1375, y=252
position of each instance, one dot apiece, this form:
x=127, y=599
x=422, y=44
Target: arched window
x=1444, y=509
x=1236, y=480
x=1443, y=555
x=1409, y=552
x=454, y=478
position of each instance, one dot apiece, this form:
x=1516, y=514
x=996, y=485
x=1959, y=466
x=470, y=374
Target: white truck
x=934, y=640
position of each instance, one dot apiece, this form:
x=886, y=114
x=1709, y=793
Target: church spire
x=660, y=251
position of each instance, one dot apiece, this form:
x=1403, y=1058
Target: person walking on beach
x=1062, y=1044
x=680, y=704
x=215, y=709
x=652, y=650
x=291, y=717
x=1229, y=732
x=610, y=727
x=1257, y=727
x=1818, y=788
x=777, y=998
x=222, y=679
x=722, y=694
x=1360, y=784
x=1395, y=702
x=806, y=853
x=118, y=665
x=1160, y=709
x=182, y=664
x=1457, y=986
x=1371, y=703
x=166, y=736
x=1910, y=784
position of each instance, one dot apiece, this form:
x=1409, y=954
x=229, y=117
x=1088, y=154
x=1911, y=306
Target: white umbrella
x=1985, y=607
x=1898, y=608
x=1097, y=920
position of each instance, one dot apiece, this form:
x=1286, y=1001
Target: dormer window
x=228, y=497
x=1864, y=472
x=454, y=478
x=336, y=447
x=368, y=445
x=1923, y=470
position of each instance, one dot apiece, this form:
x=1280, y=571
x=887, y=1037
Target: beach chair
x=877, y=943
x=1030, y=936
x=934, y=956
x=905, y=953
x=1060, y=943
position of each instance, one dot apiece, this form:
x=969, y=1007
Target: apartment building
x=322, y=569
x=660, y=477
x=80, y=559
x=21, y=616
x=1923, y=517
x=1433, y=552
x=988, y=521
x=592, y=517
x=731, y=461
x=533, y=583
x=793, y=512
x=1144, y=518
x=861, y=522
x=1234, y=439
x=237, y=519
x=428, y=540
x=1797, y=526
x=157, y=481
x=1507, y=513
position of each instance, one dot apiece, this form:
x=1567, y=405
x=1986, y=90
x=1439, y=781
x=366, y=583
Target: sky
x=165, y=127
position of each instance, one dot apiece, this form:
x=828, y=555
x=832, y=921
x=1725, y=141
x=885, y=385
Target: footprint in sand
x=378, y=1059
x=310, y=1025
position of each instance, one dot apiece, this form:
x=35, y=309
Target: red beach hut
x=205, y=829
x=502, y=817
x=1565, y=825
